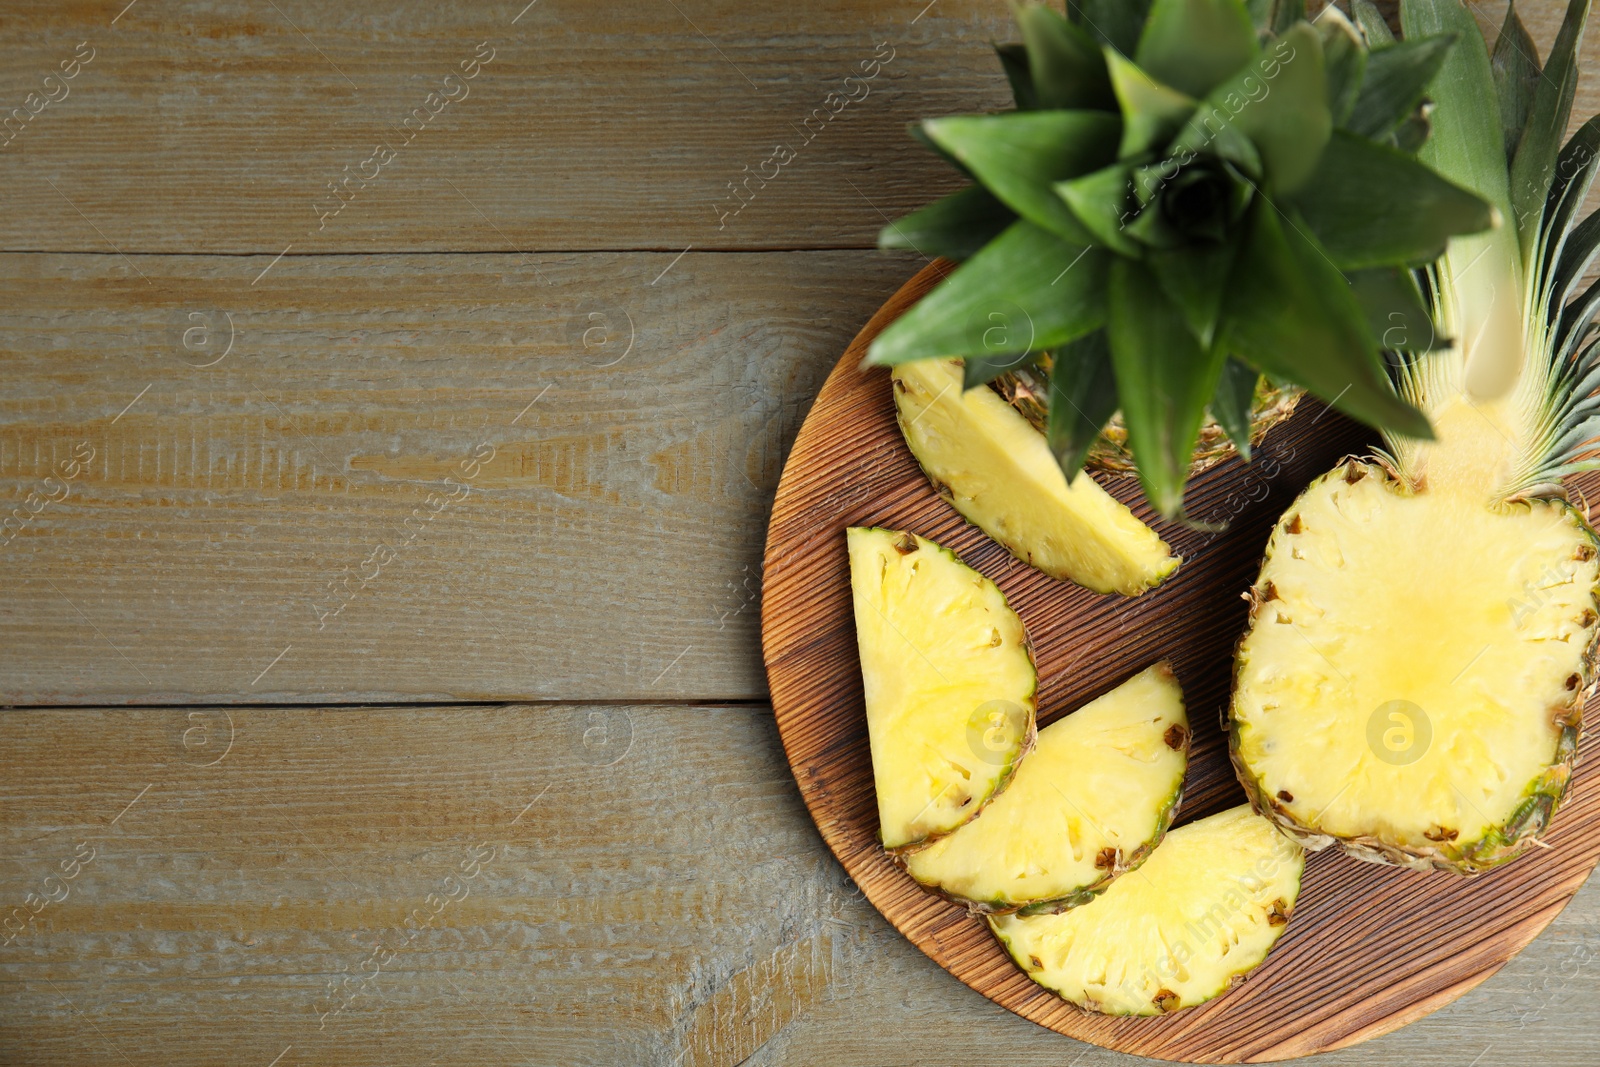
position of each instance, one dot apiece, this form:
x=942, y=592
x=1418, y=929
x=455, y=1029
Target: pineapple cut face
x=1202, y=911
x=1410, y=679
x=998, y=472
x=949, y=683
x=1093, y=798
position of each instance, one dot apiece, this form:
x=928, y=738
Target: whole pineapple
x=1423, y=630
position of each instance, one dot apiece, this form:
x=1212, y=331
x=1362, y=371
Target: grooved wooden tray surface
x=1370, y=948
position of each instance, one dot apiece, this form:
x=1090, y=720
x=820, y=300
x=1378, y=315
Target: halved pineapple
x=1093, y=798
x=998, y=472
x=1409, y=683
x=1423, y=629
x=949, y=682
x=1203, y=911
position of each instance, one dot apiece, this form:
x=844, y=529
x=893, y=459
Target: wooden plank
x=664, y=900
x=412, y=477
x=220, y=127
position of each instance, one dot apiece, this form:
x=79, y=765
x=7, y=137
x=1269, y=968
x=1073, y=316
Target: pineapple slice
x=949, y=681
x=1091, y=801
x=1408, y=686
x=1201, y=913
x=996, y=470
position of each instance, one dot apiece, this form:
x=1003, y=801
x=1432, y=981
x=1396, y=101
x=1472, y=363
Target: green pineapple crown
x=1190, y=194
x=1528, y=361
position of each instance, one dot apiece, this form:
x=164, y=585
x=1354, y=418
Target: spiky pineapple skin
x=1023, y=390
x=1501, y=844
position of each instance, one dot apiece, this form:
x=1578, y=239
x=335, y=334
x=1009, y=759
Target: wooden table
x=393, y=400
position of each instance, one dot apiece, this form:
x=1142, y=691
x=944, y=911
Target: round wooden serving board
x=1369, y=949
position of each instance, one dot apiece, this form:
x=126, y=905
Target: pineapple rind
x=1136, y=734
x=1535, y=807
x=1272, y=405
x=944, y=734
x=1202, y=912
x=997, y=471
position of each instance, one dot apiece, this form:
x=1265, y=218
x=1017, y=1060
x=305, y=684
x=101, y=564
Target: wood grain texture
x=635, y=411
x=672, y=908
x=1370, y=948
x=218, y=127
x=664, y=901
x=647, y=890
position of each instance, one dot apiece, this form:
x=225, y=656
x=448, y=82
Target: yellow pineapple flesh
x=949, y=682
x=1092, y=799
x=1201, y=913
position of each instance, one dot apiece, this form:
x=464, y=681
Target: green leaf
x=1372, y=24
x=981, y=370
x=1575, y=171
x=1231, y=404
x=1014, y=61
x=1412, y=134
x=1164, y=381
x=1195, y=278
x=1468, y=146
x=1286, y=14
x=1020, y=155
x=1280, y=103
x=920, y=135
x=1083, y=397
x=1102, y=202
x=1111, y=22
x=1260, y=12
x=955, y=226
x=1396, y=79
x=1345, y=58
x=1370, y=205
x=1151, y=112
x=1576, y=254
x=1535, y=162
x=1192, y=45
x=1396, y=313
x=1516, y=76
x=1290, y=314
x=1069, y=72
x=1026, y=290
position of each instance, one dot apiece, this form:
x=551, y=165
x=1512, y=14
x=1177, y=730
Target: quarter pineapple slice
x=1093, y=798
x=1423, y=628
x=998, y=472
x=1201, y=913
x=949, y=682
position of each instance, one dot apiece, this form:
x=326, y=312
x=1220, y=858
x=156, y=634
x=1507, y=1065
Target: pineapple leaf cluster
x=1190, y=194
x=1503, y=116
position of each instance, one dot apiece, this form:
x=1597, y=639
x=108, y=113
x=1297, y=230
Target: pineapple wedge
x=1201, y=913
x=949, y=683
x=996, y=470
x=1093, y=798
